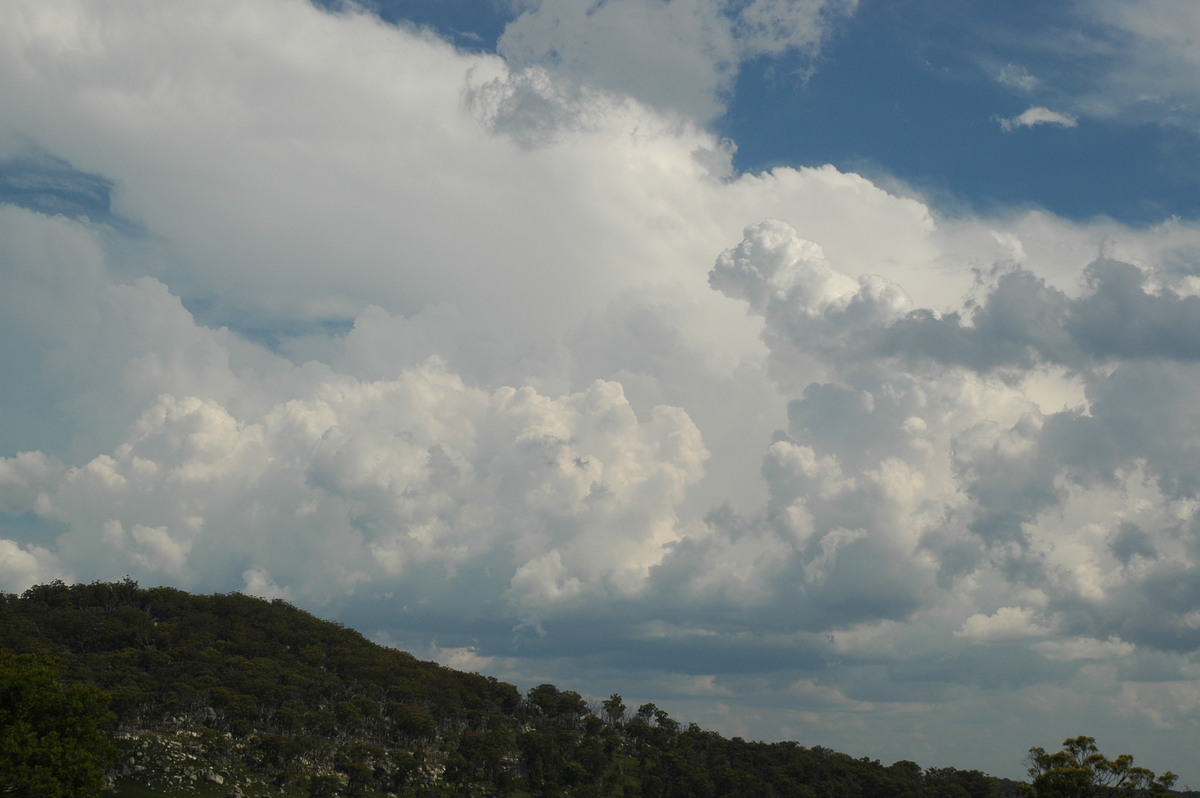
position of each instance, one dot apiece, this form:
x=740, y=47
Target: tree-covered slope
x=229, y=694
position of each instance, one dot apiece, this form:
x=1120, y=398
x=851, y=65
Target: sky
x=821, y=370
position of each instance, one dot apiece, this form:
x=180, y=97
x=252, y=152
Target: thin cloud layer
x=1154, y=73
x=507, y=366
x=1122, y=61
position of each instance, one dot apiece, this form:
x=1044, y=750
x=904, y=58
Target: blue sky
x=819, y=370
x=912, y=90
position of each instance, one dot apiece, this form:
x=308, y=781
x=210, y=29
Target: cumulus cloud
x=1000, y=482
x=1044, y=532
x=1005, y=623
x=514, y=369
x=28, y=565
x=385, y=481
x=1037, y=115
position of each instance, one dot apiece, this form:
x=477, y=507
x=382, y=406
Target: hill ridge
x=229, y=694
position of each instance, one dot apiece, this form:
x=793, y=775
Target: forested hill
x=232, y=695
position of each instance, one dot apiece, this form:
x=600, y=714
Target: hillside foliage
x=245, y=696
x=54, y=740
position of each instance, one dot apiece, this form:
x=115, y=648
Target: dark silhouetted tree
x=1079, y=770
x=614, y=709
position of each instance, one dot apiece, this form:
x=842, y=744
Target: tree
x=614, y=709
x=665, y=722
x=545, y=697
x=53, y=737
x=1079, y=770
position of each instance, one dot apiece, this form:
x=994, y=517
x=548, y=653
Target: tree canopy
x=53, y=736
x=1079, y=770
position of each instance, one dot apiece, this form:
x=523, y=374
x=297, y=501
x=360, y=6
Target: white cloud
x=1018, y=77
x=23, y=478
x=1037, y=115
x=1004, y=624
x=375, y=479
x=773, y=264
x=258, y=582
x=23, y=565
x=157, y=551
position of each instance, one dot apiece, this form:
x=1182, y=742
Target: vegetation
x=1079, y=770
x=53, y=737
x=228, y=695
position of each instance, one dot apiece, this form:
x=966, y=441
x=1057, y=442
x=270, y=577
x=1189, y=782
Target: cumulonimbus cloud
x=486, y=362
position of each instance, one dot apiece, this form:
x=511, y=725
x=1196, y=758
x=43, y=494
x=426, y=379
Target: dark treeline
x=260, y=696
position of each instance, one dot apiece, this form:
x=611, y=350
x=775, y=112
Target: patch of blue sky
x=469, y=24
x=29, y=527
x=42, y=182
x=278, y=335
x=908, y=93
x=950, y=145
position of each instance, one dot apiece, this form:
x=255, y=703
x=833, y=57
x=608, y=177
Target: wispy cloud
x=1017, y=77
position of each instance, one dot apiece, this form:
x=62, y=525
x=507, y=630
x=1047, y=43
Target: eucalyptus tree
x=1079, y=770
